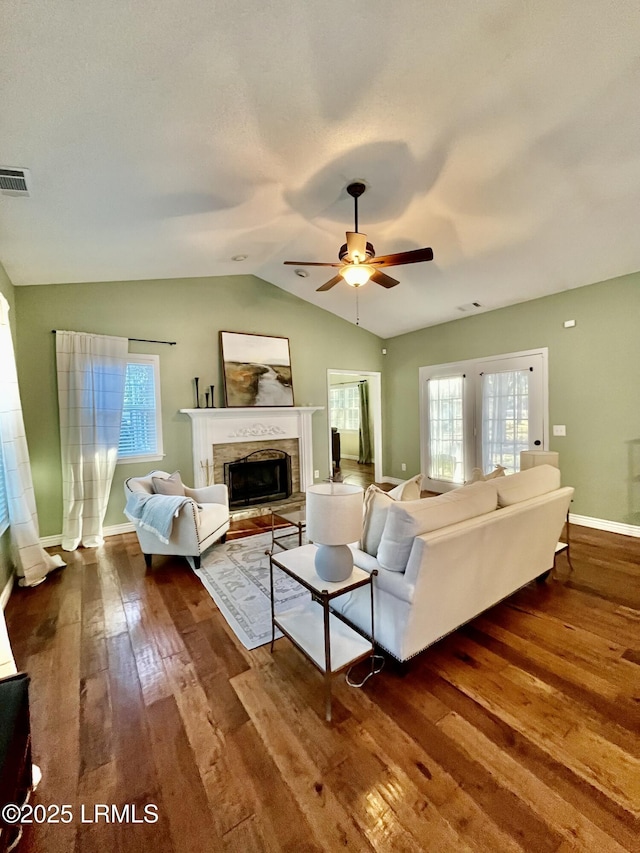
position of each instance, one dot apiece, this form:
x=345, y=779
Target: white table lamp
x=334, y=518
x=533, y=458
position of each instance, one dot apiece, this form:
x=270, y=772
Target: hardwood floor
x=516, y=733
x=356, y=474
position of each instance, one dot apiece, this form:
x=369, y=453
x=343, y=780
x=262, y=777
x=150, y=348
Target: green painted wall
x=594, y=385
x=8, y=290
x=191, y=312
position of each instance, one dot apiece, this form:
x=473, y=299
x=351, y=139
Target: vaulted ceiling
x=164, y=137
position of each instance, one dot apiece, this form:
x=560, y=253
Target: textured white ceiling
x=166, y=136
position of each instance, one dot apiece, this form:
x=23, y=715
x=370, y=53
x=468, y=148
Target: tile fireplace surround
x=211, y=427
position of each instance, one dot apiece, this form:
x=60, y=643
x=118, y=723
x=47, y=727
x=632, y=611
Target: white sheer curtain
x=31, y=560
x=91, y=376
x=505, y=419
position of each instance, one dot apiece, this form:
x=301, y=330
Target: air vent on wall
x=14, y=181
x=470, y=306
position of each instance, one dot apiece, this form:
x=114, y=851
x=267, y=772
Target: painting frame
x=256, y=370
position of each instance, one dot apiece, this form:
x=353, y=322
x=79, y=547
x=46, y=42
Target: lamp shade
x=356, y=274
x=533, y=458
x=334, y=513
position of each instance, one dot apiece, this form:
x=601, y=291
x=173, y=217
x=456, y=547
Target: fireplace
x=260, y=476
x=223, y=435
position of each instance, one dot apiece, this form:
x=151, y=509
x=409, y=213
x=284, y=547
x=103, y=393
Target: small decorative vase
x=197, y=393
x=206, y=399
x=212, y=403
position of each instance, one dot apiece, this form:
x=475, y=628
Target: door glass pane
x=446, y=457
x=505, y=419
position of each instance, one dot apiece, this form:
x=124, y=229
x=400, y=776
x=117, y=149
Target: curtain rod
x=141, y=340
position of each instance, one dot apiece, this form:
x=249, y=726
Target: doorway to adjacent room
x=354, y=404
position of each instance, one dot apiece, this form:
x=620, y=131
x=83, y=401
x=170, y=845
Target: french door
x=480, y=414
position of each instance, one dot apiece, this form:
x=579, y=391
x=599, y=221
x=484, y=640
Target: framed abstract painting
x=256, y=370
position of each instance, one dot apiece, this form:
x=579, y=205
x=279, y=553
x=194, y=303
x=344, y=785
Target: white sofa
x=441, y=561
x=201, y=521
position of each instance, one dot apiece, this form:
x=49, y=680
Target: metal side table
x=323, y=636
x=296, y=518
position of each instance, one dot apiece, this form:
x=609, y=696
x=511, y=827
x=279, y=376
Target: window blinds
x=138, y=435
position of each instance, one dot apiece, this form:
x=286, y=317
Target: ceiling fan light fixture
x=357, y=274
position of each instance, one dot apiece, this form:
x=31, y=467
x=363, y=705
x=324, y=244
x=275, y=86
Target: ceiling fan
x=358, y=263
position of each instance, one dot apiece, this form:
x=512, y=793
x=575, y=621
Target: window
x=505, y=418
x=446, y=440
x=141, y=429
x=4, y=509
x=481, y=413
x=345, y=407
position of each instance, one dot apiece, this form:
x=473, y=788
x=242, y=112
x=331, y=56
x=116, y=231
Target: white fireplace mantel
x=222, y=426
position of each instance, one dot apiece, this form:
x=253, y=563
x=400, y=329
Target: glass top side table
x=296, y=518
x=324, y=637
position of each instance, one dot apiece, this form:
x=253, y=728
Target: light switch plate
x=559, y=429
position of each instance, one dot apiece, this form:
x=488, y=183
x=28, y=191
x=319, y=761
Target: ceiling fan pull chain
x=357, y=308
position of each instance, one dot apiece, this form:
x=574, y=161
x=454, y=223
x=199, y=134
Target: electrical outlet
x=404, y=466
x=559, y=429
x=316, y=474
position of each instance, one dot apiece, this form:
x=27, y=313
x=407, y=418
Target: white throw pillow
x=376, y=506
x=169, y=485
x=528, y=484
x=410, y=490
x=408, y=519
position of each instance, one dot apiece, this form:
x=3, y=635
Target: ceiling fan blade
x=331, y=283
x=383, y=279
x=356, y=246
x=311, y=264
x=415, y=256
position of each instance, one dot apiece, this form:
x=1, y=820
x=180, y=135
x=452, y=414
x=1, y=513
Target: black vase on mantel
x=213, y=405
x=197, y=392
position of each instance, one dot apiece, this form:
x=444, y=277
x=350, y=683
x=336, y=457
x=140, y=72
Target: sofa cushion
x=410, y=490
x=409, y=519
x=527, y=484
x=172, y=485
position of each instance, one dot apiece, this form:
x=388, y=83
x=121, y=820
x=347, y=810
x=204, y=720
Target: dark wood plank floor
x=519, y=732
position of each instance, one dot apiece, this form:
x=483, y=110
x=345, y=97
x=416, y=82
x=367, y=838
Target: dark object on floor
x=15, y=749
x=335, y=448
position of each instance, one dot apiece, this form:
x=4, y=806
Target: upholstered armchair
x=202, y=517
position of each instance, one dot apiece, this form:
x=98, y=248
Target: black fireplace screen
x=264, y=475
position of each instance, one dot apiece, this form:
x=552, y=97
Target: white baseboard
x=604, y=524
x=111, y=530
x=6, y=592
x=393, y=480
x=127, y=527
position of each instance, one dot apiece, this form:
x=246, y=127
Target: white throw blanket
x=155, y=512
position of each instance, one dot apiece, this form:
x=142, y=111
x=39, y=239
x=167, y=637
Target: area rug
x=236, y=576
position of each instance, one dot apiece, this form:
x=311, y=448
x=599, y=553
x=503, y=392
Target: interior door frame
x=468, y=367
x=374, y=379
